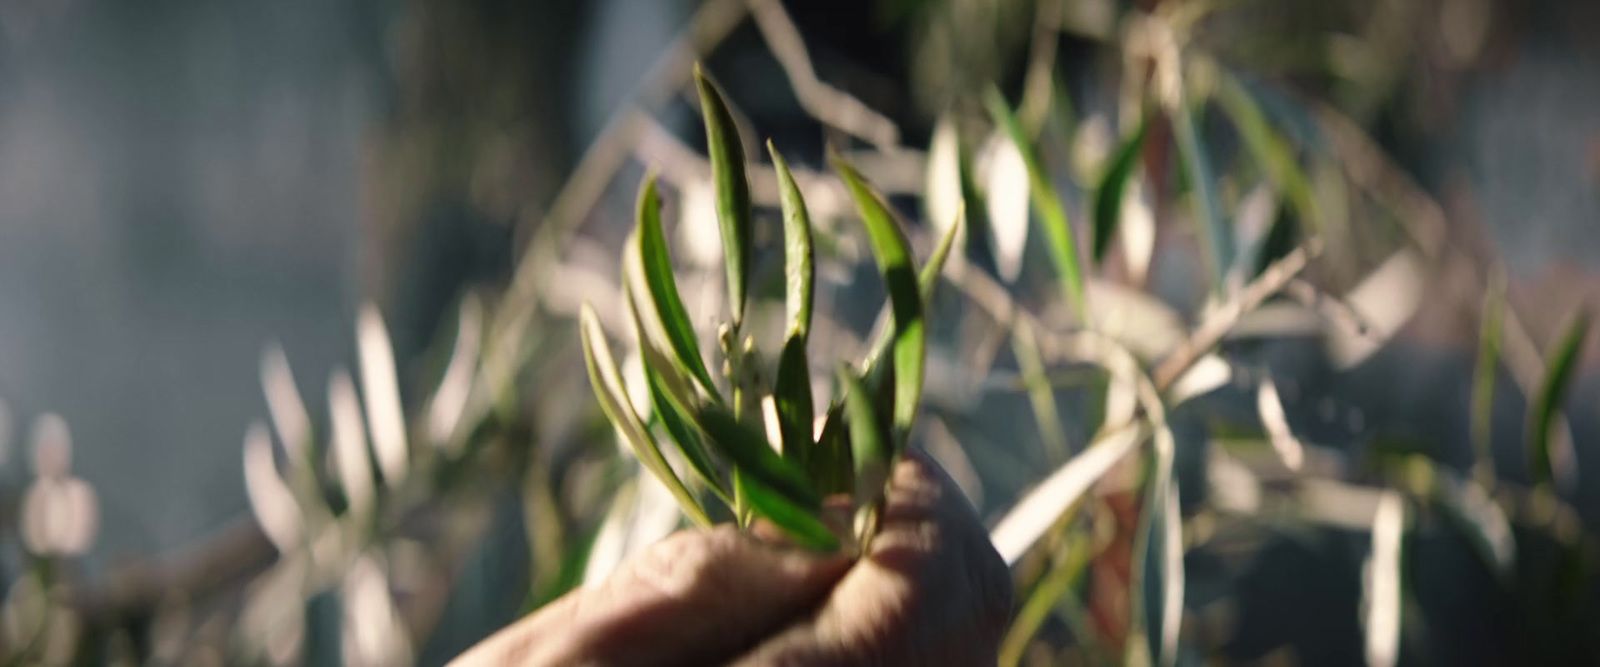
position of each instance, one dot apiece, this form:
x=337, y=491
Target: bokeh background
x=191, y=192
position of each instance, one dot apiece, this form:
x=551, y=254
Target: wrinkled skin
x=931, y=591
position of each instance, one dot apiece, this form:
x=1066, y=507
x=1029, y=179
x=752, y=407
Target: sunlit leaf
x=733, y=191
x=927, y=282
x=648, y=256
x=791, y=394
x=1047, y=202
x=1006, y=201
x=799, y=522
x=868, y=449
x=747, y=447
x=1108, y=194
x=608, y=388
x=1383, y=593
x=893, y=254
x=380, y=387
x=798, y=256
x=675, y=418
x=1033, y=515
x=1560, y=368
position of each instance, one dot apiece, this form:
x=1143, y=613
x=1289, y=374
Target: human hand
x=930, y=591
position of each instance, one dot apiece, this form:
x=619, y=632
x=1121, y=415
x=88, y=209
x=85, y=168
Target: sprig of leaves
x=723, y=444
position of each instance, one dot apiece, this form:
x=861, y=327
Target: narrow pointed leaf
x=893, y=254
x=675, y=418
x=1039, y=508
x=1047, y=203
x=746, y=446
x=608, y=388
x=648, y=255
x=829, y=462
x=791, y=392
x=1108, y=194
x=1217, y=234
x=877, y=377
x=733, y=191
x=1273, y=154
x=1483, y=377
x=1559, y=370
x=927, y=282
x=797, y=253
x=868, y=450
x=798, y=522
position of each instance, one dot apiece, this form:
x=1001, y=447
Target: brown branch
x=1216, y=327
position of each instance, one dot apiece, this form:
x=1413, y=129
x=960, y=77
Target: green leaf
x=733, y=191
x=893, y=254
x=608, y=388
x=1560, y=368
x=867, y=447
x=1484, y=374
x=746, y=446
x=1203, y=188
x=648, y=256
x=677, y=418
x=791, y=392
x=799, y=523
x=878, y=377
x=1158, y=563
x=829, y=461
x=1047, y=203
x=1273, y=154
x=1109, y=193
x=797, y=253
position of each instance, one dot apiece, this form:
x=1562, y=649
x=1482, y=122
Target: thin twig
x=830, y=105
x=1216, y=327
x=1340, y=311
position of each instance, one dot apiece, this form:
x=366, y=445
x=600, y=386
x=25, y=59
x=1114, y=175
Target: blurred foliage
x=1211, y=196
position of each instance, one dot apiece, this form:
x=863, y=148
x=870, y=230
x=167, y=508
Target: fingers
x=698, y=597
x=931, y=591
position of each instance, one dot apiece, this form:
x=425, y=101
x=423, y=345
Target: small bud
x=749, y=344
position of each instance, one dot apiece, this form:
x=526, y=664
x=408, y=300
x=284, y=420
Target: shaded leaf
x=1108, y=194
x=733, y=191
x=747, y=447
x=1047, y=202
x=1218, y=235
x=893, y=255
x=791, y=393
x=868, y=450
x=798, y=256
x=647, y=248
x=1560, y=368
x=829, y=462
x=676, y=419
x=1485, y=370
x=608, y=388
x=1273, y=154
x=798, y=522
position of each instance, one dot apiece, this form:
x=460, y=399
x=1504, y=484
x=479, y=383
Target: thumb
x=697, y=597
